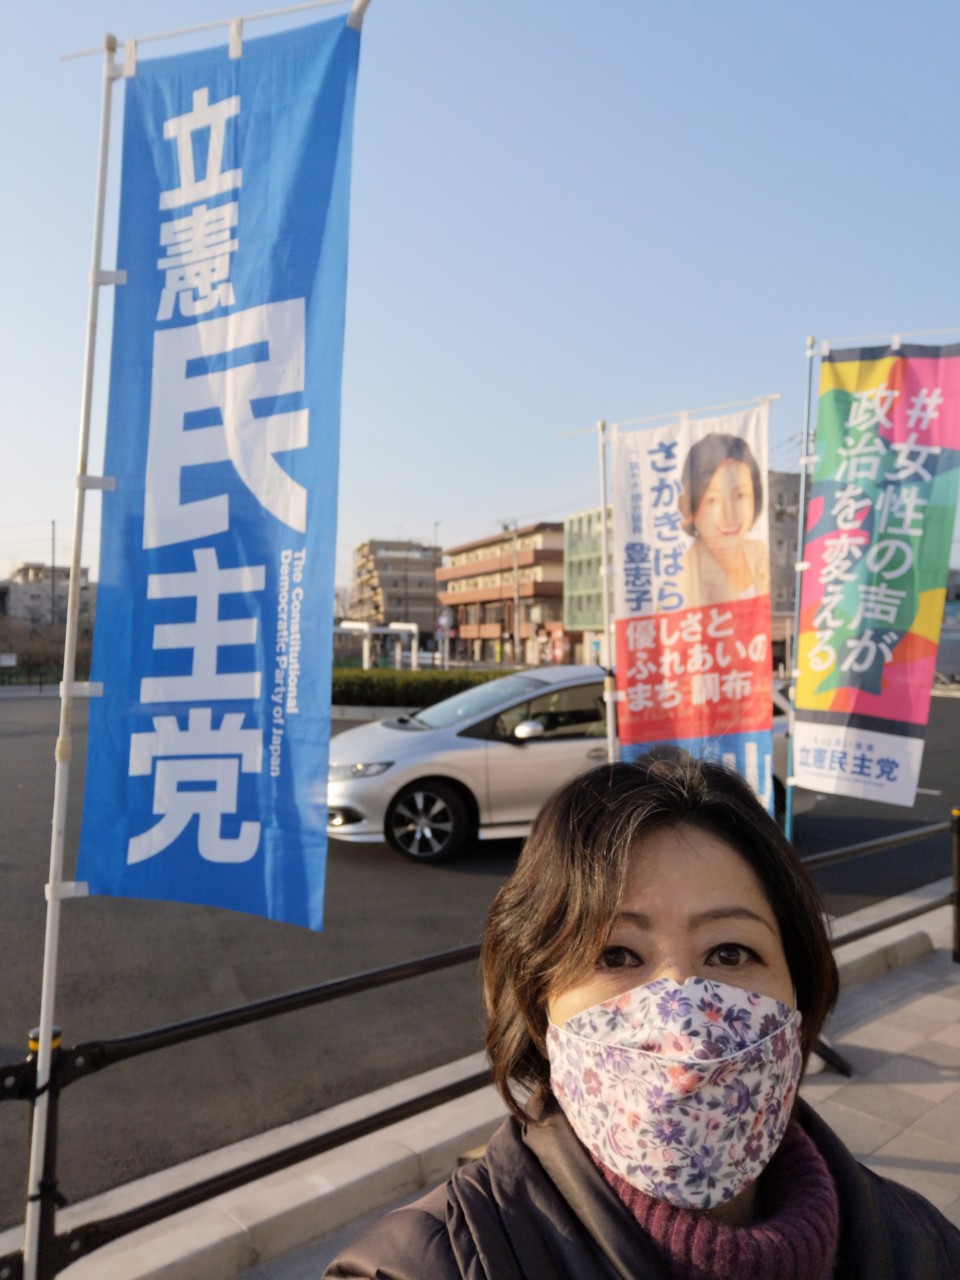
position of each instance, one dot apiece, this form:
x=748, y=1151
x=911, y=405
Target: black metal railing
x=817, y=861
x=18, y=1080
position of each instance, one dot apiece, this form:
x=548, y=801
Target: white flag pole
x=805, y=461
x=56, y=889
x=609, y=681
x=357, y=10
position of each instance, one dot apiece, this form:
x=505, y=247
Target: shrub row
x=39, y=653
x=391, y=688
x=41, y=659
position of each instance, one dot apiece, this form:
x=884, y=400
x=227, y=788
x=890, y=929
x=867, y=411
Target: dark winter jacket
x=535, y=1207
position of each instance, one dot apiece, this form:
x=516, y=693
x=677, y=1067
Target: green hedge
x=376, y=688
x=351, y=687
x=40, y=653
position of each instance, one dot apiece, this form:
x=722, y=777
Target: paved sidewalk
x=900, y=1112
x=897, y=1023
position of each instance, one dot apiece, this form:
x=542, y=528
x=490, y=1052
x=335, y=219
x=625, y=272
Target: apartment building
x=493, y=584
x=582, y=594
x=394, y=582
x=36, y=594
x=783, y=508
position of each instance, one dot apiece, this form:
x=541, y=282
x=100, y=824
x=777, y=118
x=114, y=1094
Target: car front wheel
x=428, y=822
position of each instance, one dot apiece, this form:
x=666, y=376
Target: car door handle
x=597, y=753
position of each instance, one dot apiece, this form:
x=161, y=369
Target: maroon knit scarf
x=796, y=1240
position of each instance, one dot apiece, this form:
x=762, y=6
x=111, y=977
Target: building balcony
x=499, y=564
x=503, y=593
x=492, y=631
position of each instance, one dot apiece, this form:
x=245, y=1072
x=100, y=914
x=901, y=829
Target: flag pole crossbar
x=894, y=339
x=233, y=25
x=704, y=408
x=18, y=1082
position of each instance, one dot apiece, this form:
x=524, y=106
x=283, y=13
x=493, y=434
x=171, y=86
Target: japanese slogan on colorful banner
x=207, y=755
x=877, y=546
x=692, y=593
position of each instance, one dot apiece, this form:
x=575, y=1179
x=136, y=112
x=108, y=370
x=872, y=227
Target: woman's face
x=692, y=908
x=727, y=509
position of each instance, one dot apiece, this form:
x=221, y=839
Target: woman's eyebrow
x=636, y=918
x=642, y=921
x=730, y=913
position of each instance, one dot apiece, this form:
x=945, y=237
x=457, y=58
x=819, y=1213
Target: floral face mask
x=684, y=1091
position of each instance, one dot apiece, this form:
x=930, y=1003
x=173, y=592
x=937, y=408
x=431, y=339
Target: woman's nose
x=677, y=969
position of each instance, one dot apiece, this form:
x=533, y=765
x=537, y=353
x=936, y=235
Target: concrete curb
x=231, y=1234
x=226, y=1236
x=900, y=945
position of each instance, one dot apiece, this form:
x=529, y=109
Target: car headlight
x=344, y=772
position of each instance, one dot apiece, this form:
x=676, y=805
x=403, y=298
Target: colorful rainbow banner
x=876, y=550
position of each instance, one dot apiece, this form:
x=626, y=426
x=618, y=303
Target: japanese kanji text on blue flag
x=207, y=754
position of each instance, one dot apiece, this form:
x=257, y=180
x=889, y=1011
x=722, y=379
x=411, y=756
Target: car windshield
x=477, y=701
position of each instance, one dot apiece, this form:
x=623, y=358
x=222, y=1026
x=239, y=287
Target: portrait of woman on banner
x=721, y=502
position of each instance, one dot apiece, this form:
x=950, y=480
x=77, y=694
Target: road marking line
x=926, y=791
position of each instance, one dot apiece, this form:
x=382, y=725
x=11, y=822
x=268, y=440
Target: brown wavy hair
x=551, y=919
x=705, y=457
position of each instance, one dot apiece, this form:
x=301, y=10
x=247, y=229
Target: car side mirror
x=528, y=729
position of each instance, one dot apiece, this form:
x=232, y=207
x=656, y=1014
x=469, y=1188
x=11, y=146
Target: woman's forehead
x=692, y=870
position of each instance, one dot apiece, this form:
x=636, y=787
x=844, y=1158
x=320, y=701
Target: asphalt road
x=126, y=966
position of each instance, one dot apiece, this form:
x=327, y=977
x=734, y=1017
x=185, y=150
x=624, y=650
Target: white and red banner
x=692, y=590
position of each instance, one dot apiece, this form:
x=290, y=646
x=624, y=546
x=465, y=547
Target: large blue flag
x=207, y=754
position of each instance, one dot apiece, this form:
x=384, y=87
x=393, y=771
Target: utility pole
x=507, y=525
x=517, y=626
x=433, y=570
x=53, y=573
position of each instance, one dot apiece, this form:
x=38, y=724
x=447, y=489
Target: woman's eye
x=618, y=958
x=732, y=954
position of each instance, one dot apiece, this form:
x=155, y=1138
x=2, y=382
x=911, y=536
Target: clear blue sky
x=562, y=210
